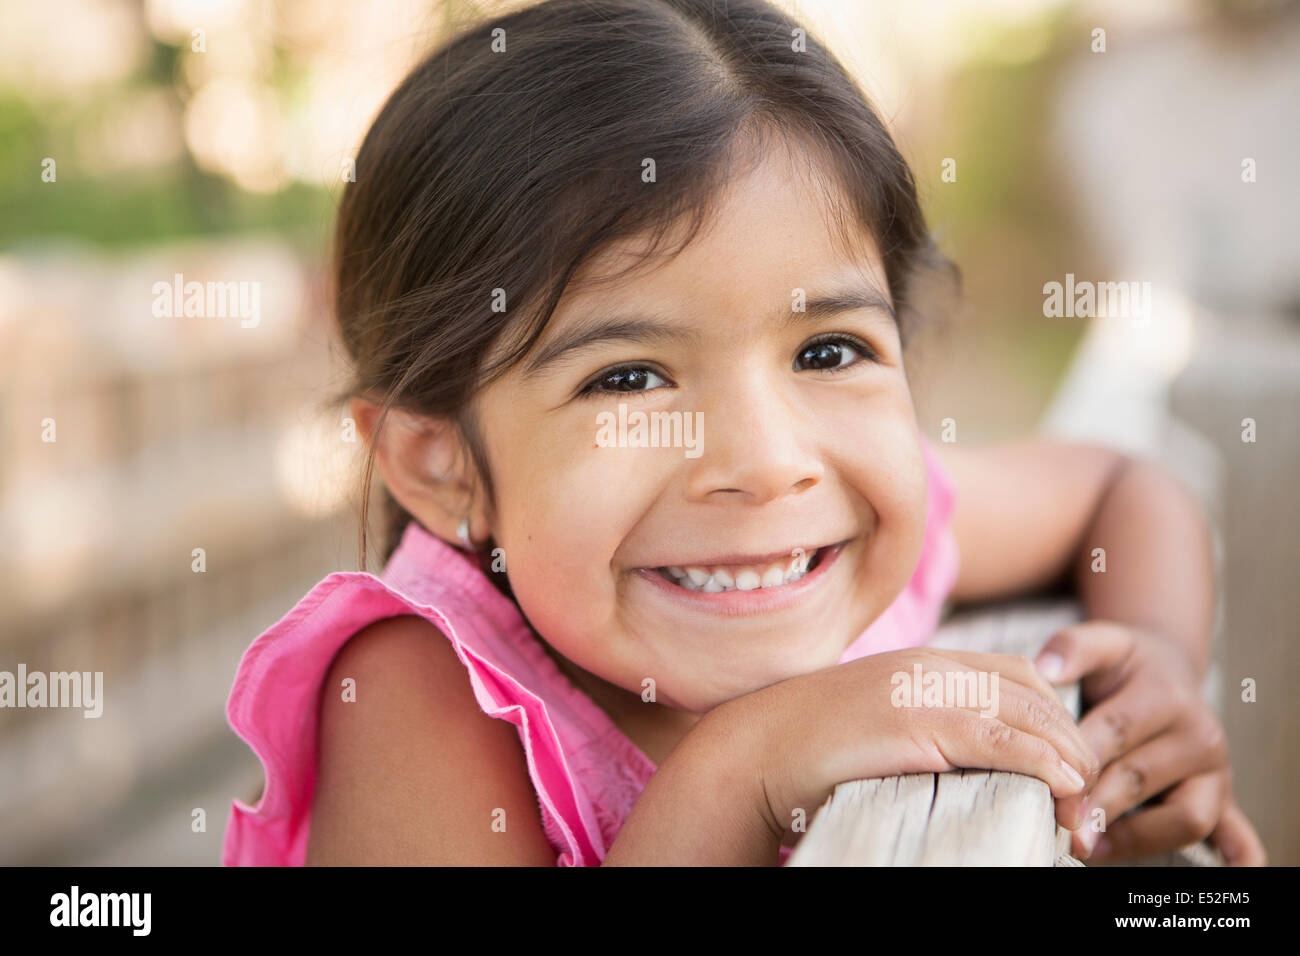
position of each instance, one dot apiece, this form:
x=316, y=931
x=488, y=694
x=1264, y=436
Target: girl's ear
x=427, y=468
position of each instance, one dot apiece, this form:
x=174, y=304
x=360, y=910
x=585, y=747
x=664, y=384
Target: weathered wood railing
x=964, y=817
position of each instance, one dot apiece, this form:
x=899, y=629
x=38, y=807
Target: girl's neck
x=653, y=727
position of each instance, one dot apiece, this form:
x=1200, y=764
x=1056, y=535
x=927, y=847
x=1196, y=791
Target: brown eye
x=631, y=378
x=831, y=354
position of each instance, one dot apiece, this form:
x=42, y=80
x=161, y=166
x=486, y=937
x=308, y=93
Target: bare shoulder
x=411, y=771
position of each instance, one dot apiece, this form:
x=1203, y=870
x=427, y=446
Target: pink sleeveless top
x=586, y=772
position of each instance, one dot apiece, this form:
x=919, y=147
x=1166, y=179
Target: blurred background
x=1112, y=141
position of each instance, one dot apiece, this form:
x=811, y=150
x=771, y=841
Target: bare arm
x=411, y=773
x=1031, y=513
x=701, y=810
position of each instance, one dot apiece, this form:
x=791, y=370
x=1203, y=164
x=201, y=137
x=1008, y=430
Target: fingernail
x=1050, y=666
x=1100, y=850
x=1072, y=774
x=1088, y=838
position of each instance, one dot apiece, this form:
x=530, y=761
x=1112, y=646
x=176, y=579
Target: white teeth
x=697, y=578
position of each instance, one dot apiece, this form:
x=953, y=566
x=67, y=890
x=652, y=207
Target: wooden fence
x=963, y=817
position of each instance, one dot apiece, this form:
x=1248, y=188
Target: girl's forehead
x=777, y=187
x=760, y=227
x=777, y=228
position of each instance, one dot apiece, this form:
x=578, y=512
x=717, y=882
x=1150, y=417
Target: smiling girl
x=581, y=651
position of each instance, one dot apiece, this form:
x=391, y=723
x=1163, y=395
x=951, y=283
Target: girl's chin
x=754, y=676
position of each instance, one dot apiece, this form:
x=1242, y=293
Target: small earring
x=462, y=532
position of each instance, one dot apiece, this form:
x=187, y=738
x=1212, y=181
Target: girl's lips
x=745, y=603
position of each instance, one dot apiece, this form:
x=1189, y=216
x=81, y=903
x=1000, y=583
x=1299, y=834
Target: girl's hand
x=812, y=732
x=1155, y=738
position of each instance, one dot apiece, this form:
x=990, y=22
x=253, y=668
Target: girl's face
x=808, y=454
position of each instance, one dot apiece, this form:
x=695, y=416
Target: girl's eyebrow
x=598, y=330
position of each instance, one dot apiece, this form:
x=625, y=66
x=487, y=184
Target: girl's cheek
x=892, y=482
x=566, y=524
x=884, y=461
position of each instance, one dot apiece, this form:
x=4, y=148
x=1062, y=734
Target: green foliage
x=1008, y=220
x=178, y=200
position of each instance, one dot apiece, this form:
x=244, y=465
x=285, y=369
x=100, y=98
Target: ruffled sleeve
x=274, y=708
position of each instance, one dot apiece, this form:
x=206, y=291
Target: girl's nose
x=756, y=448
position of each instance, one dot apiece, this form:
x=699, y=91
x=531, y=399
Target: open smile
x=743, y=587
x=715, y=577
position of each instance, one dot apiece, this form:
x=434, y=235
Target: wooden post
x=963, y=817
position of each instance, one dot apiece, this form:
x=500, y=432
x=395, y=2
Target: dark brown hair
x=491, y=168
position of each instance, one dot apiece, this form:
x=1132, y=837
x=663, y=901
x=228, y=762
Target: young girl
x=588, y=646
